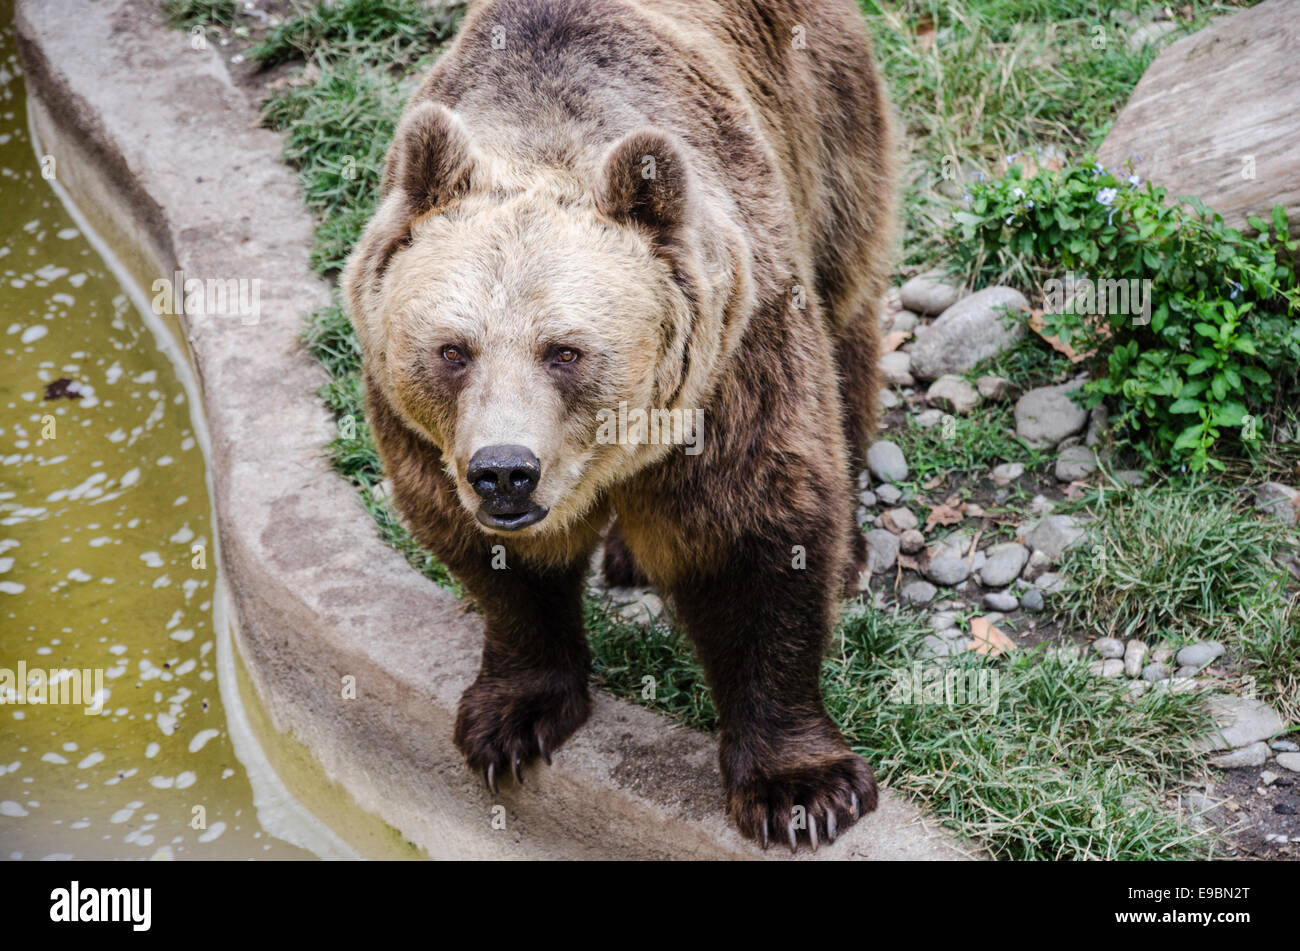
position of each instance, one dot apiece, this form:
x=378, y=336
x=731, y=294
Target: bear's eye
x=564, y=355
x=453, y=354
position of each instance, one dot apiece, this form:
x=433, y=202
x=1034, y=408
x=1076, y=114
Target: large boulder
x=1217, y=115
x=971, y=330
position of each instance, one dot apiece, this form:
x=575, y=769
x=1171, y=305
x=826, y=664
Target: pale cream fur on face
x=508, y=280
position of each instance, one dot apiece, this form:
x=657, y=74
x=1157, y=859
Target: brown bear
x=598, y=208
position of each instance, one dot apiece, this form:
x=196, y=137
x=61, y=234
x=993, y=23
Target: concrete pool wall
x=164, y=155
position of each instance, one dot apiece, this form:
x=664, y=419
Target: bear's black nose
x=504, y=477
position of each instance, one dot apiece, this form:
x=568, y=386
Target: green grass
x=969, y=443
x=1002, y=77
x=1060, y=768
x=189, y=13
x=1187, y=562
x=392, y=33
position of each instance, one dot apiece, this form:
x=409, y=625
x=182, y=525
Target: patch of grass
x=964, y=443
x=1028, y=364
x=1179, y=562
x=977, y=82
x=187, y=13
x=1059, y=767
x=393, y=33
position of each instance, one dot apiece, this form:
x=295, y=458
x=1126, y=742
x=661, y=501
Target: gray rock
x=1289, y=761
x=947, y=569
x=1053, y=534
x=1135, y=655
x=993, y=388
x=868, y=498
x=942, y=620
x=1007, y=473
x=644, y=609
x=911, y=541
x=1185, y=673
x=888, y=398
x=864, y=479
x=1032, y=600
x=935, y=646
x=1285, y=746
x=929, y=418
x=882, y=550
x=1041, y=505
x=930, y=293
x=1036, y=566
x=1075, y=463
x=1198, y=655
x=886, y=462
x=904, y=320
x=1238, y=722
x=888, y=494
x=952, y=393
x=1049, y=582
x=1002, y=564
x=1047, y=415
x=1112, y=669
x=901, y=518
x=1278, y=500
x=1256, y=754
x=1162, y=655
x=1268, y=777
x=1154, y=672
x=897, y=368
x=918, y=592
x=969, y=331
x=953, y=634
x=1108, y=647
x=1001, y=601
x=1131, y=477
x=1098, y=426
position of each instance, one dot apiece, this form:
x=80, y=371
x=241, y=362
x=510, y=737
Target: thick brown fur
x=761, y=239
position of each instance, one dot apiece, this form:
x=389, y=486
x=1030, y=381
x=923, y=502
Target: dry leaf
x=987, y=639
x=893, y=340
x=939, y=480
x=925, y=34
x=944, y=514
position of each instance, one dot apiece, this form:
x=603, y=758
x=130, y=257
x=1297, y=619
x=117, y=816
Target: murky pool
x=106, y=561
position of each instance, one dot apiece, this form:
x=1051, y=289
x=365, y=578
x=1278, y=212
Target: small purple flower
x=1110, y=217
x=1107, y=196
x=1236, y=289
x=1010, y=218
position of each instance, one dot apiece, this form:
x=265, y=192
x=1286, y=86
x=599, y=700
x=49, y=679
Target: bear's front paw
x=805, y=803
x=504, y=724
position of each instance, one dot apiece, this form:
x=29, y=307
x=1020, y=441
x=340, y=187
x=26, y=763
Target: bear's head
x=509, y=311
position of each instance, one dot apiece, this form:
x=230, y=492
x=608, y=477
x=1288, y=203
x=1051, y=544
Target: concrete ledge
x=164, y=155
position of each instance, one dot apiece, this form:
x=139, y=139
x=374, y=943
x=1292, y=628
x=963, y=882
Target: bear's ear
x=644, y=181
x=430, y=162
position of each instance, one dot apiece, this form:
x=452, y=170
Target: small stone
x=899, y=520
x=864, y=479
x=1162, y=655
x=886, y=462
x=1041, y=505
x=1239, y=721
x=1053, y=534
x=1002, y=564
x=868, y=498
x=1289, y=761
x=919, y=592
x=897, y=368
x=993, y=388
x=645, y=609
x=1131, y=477
x=889, y=494
x=974, y=510
x=1279, y=501
x=1285, y=746
x=1268, y=777
x=1198, y=655
x=953, y=633
x=1135, y=689
x=1032, y=600
x=1154, y=672
x=1047, y=415
x=1007, y=473
x=1096, y=667
x=947, y=569
x=942, y=620
x=929, y=418
x=1112, y=669
x=882, y=550
x=904, y=320
x=1098, y=426
x=1135, y=653
x=1037, y=564
x=930, y=293
x=975, y=328
x=1001, y=601
x=1108, y=647
x=911, y=541
x=1256, y=754
x=888, y=398
x=1075, y=463
x=1049, y=582
x=952, y=393
x=935, y=646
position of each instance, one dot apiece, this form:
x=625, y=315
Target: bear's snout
x=505, y=477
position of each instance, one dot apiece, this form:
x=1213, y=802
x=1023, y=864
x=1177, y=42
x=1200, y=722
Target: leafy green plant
x=1212, y=350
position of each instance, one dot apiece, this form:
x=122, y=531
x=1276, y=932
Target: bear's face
x=505, y=323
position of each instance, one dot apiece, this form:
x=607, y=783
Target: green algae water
x=108, y=574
